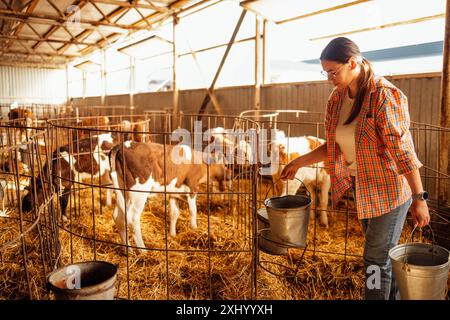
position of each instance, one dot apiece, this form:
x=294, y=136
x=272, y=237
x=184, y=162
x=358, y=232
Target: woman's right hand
x=290, y=170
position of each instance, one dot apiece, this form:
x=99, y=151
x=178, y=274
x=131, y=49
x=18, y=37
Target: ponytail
x=364, y=78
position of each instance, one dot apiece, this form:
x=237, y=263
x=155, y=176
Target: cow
x=82, y=159
x=143, y=169
x=313, y=177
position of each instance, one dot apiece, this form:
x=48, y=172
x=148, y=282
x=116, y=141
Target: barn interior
x=151, y=71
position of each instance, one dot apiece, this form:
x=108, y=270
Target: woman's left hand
x=420, y=213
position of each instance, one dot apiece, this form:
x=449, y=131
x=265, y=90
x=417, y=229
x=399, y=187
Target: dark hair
x=341, y=50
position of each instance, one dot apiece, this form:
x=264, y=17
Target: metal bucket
x=264, y=242
x=93, y=280
x=289, y=218
x=421, y=270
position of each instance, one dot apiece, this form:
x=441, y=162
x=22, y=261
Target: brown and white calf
x=314, y=177
x=234, y=146
x=83, y=159
x=23, y=118
x=144, y=169
x=133, y=131
x=91, y=124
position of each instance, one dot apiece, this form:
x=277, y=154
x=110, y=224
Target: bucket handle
x=410, y=238
x=278, y=180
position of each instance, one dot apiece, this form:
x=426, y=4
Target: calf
x=84, y=159
x=230, y=143
x=132, y=131
x=91, y=124
x=22, y=117
x=314, y=177
x=145, y=168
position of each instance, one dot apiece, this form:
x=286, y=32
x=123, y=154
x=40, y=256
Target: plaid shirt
x=384, y=150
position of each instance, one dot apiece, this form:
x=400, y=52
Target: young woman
x=369, y=148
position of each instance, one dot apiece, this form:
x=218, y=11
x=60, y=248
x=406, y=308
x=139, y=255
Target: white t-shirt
x=345, y=134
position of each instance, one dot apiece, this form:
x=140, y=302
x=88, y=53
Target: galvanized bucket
x=421, y=270
x=289, y=218
x=92, y=280
x=265, y=243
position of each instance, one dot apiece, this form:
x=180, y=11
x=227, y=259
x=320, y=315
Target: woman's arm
x=317, y=155
x=393, y=119
x=419, y=208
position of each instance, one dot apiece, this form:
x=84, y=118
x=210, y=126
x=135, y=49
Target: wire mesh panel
x=208, y=253
x=332, y=267
x=429, y=142
x=29, y=247
x=112, y=110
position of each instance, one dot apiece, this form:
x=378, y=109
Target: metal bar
x=215, y=47
x=211, y=88
x=383, y=26
x=342, y=6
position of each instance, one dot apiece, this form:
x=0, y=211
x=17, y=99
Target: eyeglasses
x=332, y=74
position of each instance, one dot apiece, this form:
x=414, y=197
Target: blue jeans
x=381, y=234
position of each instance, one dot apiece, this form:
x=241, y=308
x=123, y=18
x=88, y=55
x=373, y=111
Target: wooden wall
x=423, y=92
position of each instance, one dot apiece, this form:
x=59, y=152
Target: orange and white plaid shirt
x=384, y=150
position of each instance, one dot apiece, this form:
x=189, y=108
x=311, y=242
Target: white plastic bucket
x=92, y=280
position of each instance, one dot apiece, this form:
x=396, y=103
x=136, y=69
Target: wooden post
x=67, y=84
x=265, y=53
x=445, y=107
x=132, y=83
x=175, y=101
x=210, y=91
x=258, y=67
x=84, y=88
x=103, y=76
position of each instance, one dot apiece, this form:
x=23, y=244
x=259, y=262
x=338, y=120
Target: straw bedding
x=194, y=265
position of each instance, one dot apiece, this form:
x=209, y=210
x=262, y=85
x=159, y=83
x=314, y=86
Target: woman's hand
x=290, y=170
x=420, y=213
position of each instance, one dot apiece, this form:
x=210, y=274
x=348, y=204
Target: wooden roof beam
x=84, y=34
x=125, y=4
x=16, y=52
x=28, y=38
x=153, y=18
x=31, y=17
x=31, y=5
x=30, y=64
